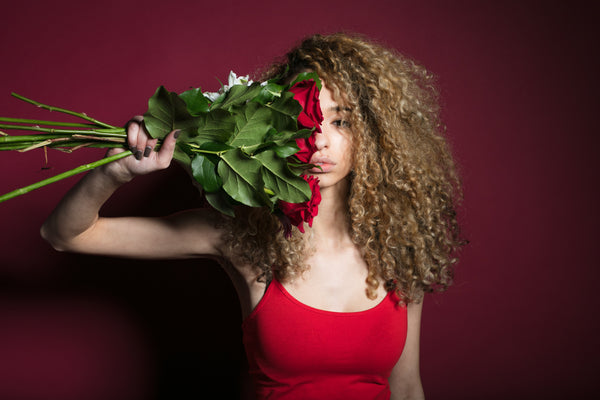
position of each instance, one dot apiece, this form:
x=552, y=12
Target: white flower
x=232, y=80
x=241, y=80
x=212, y=96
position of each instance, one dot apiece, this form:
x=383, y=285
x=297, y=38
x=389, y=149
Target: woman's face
x=334, y=143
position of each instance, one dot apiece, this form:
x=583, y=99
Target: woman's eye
x=341, y=123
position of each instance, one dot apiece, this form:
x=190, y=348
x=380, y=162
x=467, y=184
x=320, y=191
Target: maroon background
x=519, y=88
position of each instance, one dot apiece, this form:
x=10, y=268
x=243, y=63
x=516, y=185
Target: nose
x=321, y=139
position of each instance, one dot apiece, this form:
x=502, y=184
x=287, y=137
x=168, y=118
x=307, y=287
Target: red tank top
x=299, y=352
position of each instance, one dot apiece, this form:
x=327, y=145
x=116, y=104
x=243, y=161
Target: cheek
x=348, y=155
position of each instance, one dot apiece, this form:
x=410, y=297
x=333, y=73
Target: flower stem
x=62, y=110
x=118, y=132
x=67, y=174
x=51, y=123
x=28, y=142
x=28, y=138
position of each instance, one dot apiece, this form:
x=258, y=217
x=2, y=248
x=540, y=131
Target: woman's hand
x=145, y=159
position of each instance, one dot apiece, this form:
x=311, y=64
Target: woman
x=334, y=312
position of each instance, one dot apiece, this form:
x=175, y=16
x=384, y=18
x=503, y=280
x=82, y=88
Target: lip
x=325, y=163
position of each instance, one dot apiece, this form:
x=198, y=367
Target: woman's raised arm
x=75, y=225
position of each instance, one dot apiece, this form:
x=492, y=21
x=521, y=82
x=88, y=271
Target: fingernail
x=147, y=151
x=133, y=149
x=177, y=133
x=138, y=155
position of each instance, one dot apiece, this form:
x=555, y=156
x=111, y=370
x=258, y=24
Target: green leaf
x=242, y=178
x=217, y=103
x=283, y=143
x=217, y=125
x=252, y=149
x=281, y=138
x=215, y=146
x=205, y=172
x=238, y=95
x=304, y=76
x=287, y=150
x=182, y=156
x=219, y=201
x=279, y=179
x=252, y=126
x=286, y=105
x=298, y=168
x=183, y=153
x=269, y=92
x=195, y=101
x=282, y=122
x=167, y=112
x=213, y=150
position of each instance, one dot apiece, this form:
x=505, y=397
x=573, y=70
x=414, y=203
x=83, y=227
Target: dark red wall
x=519, y=85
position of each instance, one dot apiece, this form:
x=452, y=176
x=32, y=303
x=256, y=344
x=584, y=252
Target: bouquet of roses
x=247, y=144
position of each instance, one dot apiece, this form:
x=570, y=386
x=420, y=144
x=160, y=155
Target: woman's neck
x=331, y=225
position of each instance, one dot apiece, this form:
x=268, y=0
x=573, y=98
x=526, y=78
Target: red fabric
x=299, y=352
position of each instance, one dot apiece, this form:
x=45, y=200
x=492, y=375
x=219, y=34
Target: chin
x=327, y=182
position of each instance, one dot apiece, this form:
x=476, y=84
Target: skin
x=334, y=282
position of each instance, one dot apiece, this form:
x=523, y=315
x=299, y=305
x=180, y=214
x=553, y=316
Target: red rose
x=307, y=94
x=298, y=213
x=307, y=148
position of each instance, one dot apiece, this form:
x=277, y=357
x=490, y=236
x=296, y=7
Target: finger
x=165, y=154
x=141, y=143
x=114, y=150
x=133, y=129
x=133, y=126
x=150, y=145
x=138, y=119
x=148, y=149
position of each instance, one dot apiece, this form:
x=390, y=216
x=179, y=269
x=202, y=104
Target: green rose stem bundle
x=240, y=144
x=93, y=134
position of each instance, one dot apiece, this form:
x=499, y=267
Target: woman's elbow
x=50, y=235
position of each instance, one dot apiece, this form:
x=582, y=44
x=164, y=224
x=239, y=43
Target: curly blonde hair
x=404, y=186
